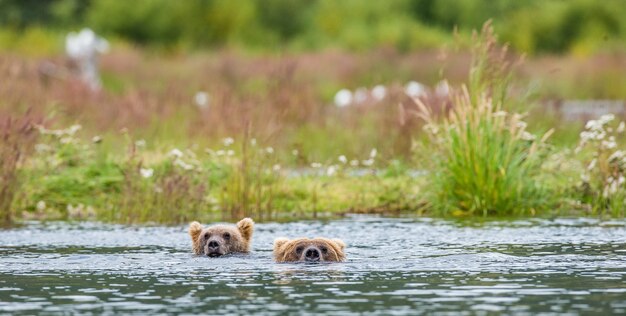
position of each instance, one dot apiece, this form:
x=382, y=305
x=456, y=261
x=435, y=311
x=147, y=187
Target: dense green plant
x=485, y=161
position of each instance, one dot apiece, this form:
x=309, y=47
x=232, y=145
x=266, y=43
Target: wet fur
x=285, y=249
x=241, y=235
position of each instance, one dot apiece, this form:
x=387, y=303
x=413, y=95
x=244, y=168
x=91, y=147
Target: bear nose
x=312, y=254
x=213, y=244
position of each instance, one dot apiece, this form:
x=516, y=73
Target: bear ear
x=246, y=227
x=279, y=242
x=194, y=230
x=339, y=243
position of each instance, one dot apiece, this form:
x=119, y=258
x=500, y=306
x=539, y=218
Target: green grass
x=485, y=162
x=70, y=178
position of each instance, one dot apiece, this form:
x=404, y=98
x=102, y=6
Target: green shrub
x=485, y=162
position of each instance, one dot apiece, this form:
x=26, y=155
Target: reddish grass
x=18, y=135
x=277, y=95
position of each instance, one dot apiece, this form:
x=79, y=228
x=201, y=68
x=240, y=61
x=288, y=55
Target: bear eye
x=207, y=235
x=226, y=236
x=299, y=250
x=324, y=250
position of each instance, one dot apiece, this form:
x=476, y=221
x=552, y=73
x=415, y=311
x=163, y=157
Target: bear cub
x=309, y=250
x=218, y=240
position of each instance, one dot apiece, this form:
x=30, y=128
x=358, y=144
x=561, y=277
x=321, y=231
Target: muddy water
x=395, y=266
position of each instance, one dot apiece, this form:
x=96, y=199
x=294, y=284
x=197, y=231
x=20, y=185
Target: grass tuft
x=485, y=162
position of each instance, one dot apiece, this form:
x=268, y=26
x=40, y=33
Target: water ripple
x=394, y=266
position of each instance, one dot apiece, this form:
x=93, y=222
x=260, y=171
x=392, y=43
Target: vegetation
x=535, y=26
x=486, y=162
x=17, y=138
x=603, y=185
x=70, y=178
x=225, y=136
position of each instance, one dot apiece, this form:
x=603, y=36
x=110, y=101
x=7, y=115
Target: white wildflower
x=202, y=99
x=607, y=118
x=354, y=163
x=253, y=142
x=621, y=127
x=228, y=141
x=41, y=206
x=96, y=139
x=276, y=167
x=141, y=143
x=295, y=152
x=73, y=129
x=610, y=143
x=618, y=154
x=146, y=172
x=269, y=150
x=379, y=92
x=183, y=165
x=66, y=140
x=230, y=152
x=592, y=164
x=220, y=152
x=331, y=171
x=316, y=165
x=593, y=125
x=343, y=159
x=343, y=98
x=176, y=153
x=585, y=136
x=373, y=153
x=414, y=89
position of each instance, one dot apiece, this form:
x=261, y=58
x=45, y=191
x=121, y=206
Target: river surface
x=395, y=266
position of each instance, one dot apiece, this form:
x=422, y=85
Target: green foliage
x=70, y=178
x=533, y=26
x=485, y=162
x=148, y=21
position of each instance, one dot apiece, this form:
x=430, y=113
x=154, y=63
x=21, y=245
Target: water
x=395, y=266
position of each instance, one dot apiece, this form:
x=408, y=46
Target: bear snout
x=213, y=249
x=213, y=244
x=312, y=254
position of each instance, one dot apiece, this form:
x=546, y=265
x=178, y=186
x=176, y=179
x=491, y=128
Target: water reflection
x=395, y=266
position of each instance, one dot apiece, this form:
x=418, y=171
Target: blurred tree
x=287, y=18
x=533, y=26
x=20, y=13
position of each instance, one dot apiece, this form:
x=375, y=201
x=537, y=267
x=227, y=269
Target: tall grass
x=485, y=161
x=17, y=138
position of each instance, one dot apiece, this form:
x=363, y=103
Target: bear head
x=218, y=240
x=309, y=250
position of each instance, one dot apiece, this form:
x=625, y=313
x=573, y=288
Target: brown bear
x=309, y=250
x=218, y=240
